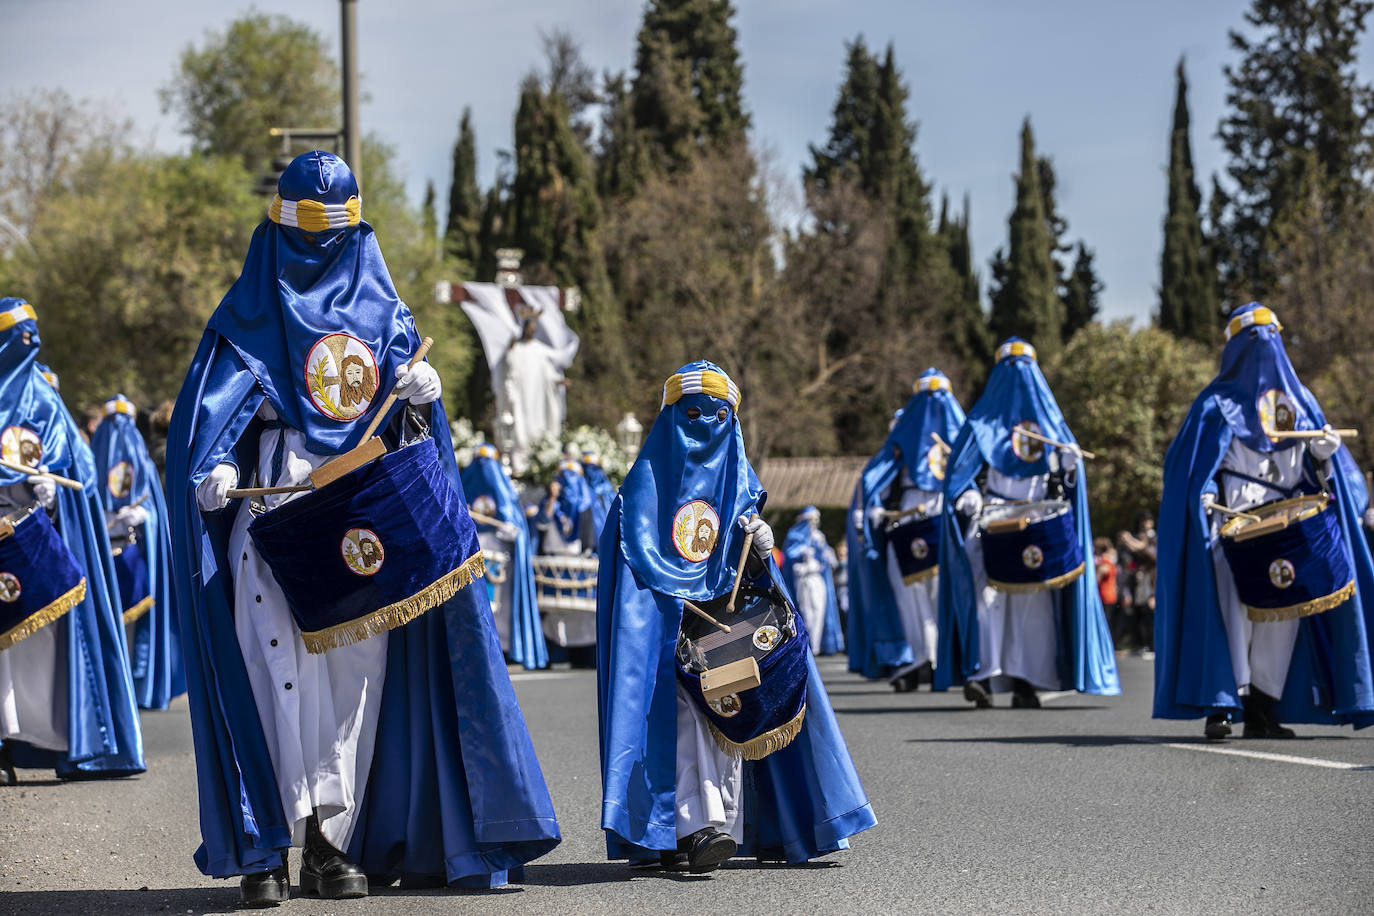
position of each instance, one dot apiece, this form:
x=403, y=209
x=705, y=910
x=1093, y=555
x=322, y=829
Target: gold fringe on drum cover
x=138, y=610
x=761, y=746
x=1306, y=609
x=40, y=619
x=921, y=576
x=1026, y=588
x=397, y=614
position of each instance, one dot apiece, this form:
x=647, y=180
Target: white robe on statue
x=319, y=712
x=533, y=391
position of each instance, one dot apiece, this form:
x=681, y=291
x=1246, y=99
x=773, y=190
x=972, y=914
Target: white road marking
x=1260, y=755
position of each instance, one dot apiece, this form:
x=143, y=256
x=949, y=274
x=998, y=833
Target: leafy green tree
x=1188, y=279
x=1295, y=91
x=1124, y=393
x=623, y=160
x=1025, y=297
x=463, y=226
x=263, y=71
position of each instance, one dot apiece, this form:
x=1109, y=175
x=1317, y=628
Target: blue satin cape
x=799, y=536
x=1017, y=391
x=603, y=493
x=486, y=476
x=1329, y=678
x=455, y=791
x=802, y=801
x=104, y=735
x=155, y=654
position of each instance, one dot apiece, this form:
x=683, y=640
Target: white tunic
x=917, y=603
x=319, y=712
x=710, y=782
x=1017, y=633
x=1260, y=652
x=808, y=573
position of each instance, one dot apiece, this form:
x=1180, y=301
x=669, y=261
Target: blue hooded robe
x=104, y=736
x=455, y=791
x=800, y=802
x=1329, y=678
x=800, y=536
x=128, y=477
x=486, y=476
x=603, y=491
x=1017, y=392
x=932, y=411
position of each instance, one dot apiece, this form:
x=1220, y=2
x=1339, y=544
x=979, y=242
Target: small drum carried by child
x=1030, y=546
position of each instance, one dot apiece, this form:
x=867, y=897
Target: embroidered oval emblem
x=362, y=551
x=727, y=707
x=1277, y=412
x=341, y=376
x=1033, y=557
x=9, y=587
x=766, y=637
x=484, y=505
x=696, y=528
x=1024, y=447
x=1281, y=573
x=21, y=445
x=935, y=460
x=120, y=480
x=920, y=549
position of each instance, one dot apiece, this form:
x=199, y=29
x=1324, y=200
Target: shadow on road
x=961, y=708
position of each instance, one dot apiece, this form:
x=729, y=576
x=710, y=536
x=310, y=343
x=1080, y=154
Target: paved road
x=1085, y=806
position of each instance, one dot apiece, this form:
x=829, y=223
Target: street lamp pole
x=353, y=149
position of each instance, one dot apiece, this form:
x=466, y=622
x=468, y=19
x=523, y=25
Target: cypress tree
x=622, y=157
x=848, y=154
x=1025, y=299
x=967, y=332
x=463, y=226
x=1082, y=293
x=1187, y=279
x=429, y=219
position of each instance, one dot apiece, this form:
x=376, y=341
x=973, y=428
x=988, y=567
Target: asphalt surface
x=1084, y=806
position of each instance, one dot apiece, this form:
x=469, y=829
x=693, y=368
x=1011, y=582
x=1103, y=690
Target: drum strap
x=279, y=453
x=1288, y=492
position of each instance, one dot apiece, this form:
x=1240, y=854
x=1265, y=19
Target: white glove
x=1069, y=457
x=507, y=532
x=418, y=384
x=808, y=554
x=132, y=516
x=970, y=502
x=213, y=493
x=858, y=519
x=876, y=516
x=44, y=488
x=1209, y=499
x=763, y=535
x=1323, y=448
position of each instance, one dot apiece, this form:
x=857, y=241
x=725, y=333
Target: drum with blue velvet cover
x=752, y=723
x=372, y=550
x=40, y=578
x=915, y=543
x=1292, y=562
x=131, y=567
x=1030, y=546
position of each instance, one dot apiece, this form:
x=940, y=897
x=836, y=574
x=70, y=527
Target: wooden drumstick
x=391, y=398
x=481, y=519
x=1032, y=434
x=739, y=573
x=240, y=492
x=705, y=616
x=138, y=502
x=34, y=472
x=1345, y=433
x=1227, y=510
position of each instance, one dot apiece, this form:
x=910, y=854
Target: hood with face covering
x=32, y=415
x=691, y=482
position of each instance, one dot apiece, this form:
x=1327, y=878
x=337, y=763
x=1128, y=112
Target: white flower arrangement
x=548, y=450
x=465, y=440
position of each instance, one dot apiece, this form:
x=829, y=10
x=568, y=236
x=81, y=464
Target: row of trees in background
x=643, y=189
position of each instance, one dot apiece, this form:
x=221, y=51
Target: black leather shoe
x=326, y=872
x=265, y=888
x=706, y=849
x=976, y=692
x=905, y=683
x=7, y=775
x=1023, y=695
x=1218, y=726
x=1261, y=717
x=672, y=860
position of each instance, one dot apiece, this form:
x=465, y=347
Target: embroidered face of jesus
x=359, y=383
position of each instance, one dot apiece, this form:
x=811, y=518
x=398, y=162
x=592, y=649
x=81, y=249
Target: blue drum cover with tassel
x=372, y=550
x=1299, y=570
x=40, y=580
x=916, y=544
x=1047, y=553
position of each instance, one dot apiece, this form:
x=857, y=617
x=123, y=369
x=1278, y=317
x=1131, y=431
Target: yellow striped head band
x=120, y=404
x=314, y=216
x=1251, y=318
x=12, y=316
x=700, y=381
x=931, y=383
x=570, y=464
x=591, y=458
x=1015, y=348
x=486, y=450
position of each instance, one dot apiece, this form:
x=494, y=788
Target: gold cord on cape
x=397, y=614
x=138, y=610
x=1305, y=609
x=1026, y=588
x=761, y=746
x=44, y=616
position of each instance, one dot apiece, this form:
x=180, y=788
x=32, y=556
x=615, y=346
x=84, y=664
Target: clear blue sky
x=1096, y=79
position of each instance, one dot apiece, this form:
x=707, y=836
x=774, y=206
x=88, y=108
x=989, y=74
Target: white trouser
x=918, y=610
x=710, y=782
x=1260, y=652
x=33, y=689
x=319, y=712
x=1017, y=633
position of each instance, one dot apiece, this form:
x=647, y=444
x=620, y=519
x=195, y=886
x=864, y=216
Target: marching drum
x=1030, y=546
x=1292, y=562
x=372, y=550
x=565, y=583
x=131, y=568
x=40, y=578
x=915, y=542
x=750, y=683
